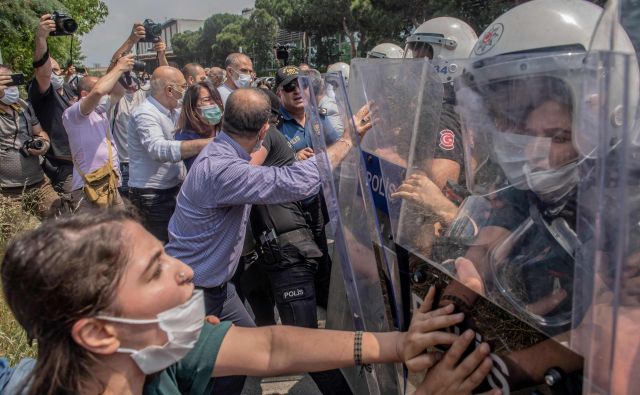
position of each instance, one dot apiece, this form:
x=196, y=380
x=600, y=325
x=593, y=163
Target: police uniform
x=291, y=258
x=314, y=208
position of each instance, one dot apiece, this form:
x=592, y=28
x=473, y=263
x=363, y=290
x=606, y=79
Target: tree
x=229, y=40
x=212, y=27
x=19, y=20
x=261, y=33
x=185, y=46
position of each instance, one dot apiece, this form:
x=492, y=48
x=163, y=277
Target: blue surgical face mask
x=11, y=95
x=212, y=113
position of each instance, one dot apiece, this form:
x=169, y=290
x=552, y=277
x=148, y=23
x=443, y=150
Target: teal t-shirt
x=192, y=375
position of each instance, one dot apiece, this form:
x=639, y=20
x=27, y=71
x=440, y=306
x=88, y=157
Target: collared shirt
x=120, y=121
x=224, y=91
x=16, y=127
x=299, y=138
x=208, y=226
x=88, y=142
x=154, y=155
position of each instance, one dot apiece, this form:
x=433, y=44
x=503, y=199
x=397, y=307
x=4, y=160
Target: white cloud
x=104, y=39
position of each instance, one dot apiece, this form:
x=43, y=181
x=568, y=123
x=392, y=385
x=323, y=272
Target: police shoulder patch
x=447, y=140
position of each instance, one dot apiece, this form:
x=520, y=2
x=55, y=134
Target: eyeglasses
x=291, y=86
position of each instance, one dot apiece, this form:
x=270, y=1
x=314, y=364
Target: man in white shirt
x=156, y=170
x=239, y=74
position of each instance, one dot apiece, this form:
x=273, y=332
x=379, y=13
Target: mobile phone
x=16, y=79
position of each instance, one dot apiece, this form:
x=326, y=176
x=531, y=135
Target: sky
x=99, y=44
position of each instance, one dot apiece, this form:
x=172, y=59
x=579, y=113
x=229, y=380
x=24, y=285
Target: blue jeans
x=223, y=302
x=155, y=207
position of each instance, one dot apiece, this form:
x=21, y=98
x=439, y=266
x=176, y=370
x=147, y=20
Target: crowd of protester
x=194, y=179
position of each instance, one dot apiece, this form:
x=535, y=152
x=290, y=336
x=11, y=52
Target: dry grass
x=15, y=217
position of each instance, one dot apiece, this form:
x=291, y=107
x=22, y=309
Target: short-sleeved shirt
x=283, y=217
x=120, y=122
x=448, y=144
x=192, y=374
x=297, y=135
x=16, y=127
x=186, y=135
x=88, y=142
x=155, y=160
x=49, y=107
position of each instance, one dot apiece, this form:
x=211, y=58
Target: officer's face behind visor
x=418, y=50
x=537, y=113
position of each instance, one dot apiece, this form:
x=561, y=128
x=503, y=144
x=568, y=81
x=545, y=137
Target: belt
x=155, y=191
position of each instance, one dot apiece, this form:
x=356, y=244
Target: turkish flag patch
x=447, y=140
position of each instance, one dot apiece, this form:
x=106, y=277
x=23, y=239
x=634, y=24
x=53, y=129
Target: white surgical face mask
x=552, y=185
x=182, y=324
x=243, y=80
x=56, y=81
x=11, y=95
x=511, y=153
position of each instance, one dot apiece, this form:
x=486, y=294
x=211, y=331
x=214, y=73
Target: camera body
x=65, y=25
x=36, y=144
x=153, y=31
x=16, y=79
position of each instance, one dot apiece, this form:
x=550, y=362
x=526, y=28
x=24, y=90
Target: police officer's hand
x=160, y=46
x=137, y=32
x=46, y=26
x=304, y=154
x=452, y=377
x=419, y=189
x=425, y=332
x=5, y=79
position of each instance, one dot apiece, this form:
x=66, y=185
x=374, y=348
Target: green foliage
x=260, y=37
x=19, y=20
x=229, y=40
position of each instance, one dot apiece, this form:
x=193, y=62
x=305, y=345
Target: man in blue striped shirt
x=207, y=229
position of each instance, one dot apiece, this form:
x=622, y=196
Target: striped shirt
x=208, y=226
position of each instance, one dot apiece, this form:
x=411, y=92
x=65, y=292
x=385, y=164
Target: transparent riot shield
x=607, y=290
x=407, y=95
x=505, y=244
x=355, y=271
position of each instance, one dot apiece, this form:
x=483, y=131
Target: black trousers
x=155, y=207
x=316, y=215
x=293, y=285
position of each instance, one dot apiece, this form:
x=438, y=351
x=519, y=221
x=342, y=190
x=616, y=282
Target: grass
x=15, y=217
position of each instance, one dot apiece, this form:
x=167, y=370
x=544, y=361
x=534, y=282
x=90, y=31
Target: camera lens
x=69, y=26
x=139, y=66
x=37, y=144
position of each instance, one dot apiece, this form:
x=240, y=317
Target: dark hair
x=248, y=109
x=190, y=117
x=65, y=270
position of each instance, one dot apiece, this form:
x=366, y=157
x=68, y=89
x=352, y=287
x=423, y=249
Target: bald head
x=193, y=73
x=246, y=112
x=236, y=60
x=86, y=84
x=167, y=85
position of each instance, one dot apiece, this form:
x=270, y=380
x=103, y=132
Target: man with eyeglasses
x=240, y=74
x=156, y=169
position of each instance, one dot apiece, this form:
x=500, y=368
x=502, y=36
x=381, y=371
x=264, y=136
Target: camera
x=36, y=144
x=153, y=31
x=65, y=25
x=139, y=66
x=16, y=79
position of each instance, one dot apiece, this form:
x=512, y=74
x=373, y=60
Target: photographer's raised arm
x=161, y=49
x=105, y=85
x=43, y=66
x=137, y=33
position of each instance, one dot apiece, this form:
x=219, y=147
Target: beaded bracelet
x=357, y=352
